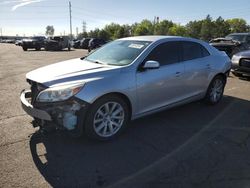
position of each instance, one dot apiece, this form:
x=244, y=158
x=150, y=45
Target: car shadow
x=68, y=162
x=245, y=78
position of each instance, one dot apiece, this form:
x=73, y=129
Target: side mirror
x=151, y=65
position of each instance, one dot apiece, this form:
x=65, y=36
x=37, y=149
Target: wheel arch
x=223, y=75
x=122, y=96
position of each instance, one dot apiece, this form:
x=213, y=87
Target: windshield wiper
x=97, y=62
x=93, y=61
x=82, y=58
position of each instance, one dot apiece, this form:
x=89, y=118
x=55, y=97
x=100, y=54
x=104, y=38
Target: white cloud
x=20, y=3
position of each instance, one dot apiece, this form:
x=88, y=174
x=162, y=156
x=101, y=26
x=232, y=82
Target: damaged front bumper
x=67, y=115
x=30, y=110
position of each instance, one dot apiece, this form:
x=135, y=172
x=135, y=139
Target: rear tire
x=107, y=118
x=215, y=90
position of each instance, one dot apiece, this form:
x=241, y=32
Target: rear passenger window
x=193, y=50
x=166, y=53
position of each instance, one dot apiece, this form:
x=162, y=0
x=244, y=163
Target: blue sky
x=30, y=17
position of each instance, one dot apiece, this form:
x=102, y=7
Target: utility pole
x=70, y=19
x=84, y=27
x=76, y=31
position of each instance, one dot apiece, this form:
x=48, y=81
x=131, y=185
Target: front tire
x=107, y=118
x=25, y=48
x=215, y=90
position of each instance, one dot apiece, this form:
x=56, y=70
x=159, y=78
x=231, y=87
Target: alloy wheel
x=109, y=119
x=216, y=90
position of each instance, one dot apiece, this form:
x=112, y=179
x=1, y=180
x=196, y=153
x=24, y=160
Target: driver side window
x=166, y=53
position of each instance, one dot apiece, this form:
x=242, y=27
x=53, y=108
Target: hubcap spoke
x=113, y=107
x=100, y=127
x=104, y=132
x=117, y=117
x=98, y=120
x=117, y=111
x=115, y=124
x=111, y=129
x=106, y=107
x=99, y=112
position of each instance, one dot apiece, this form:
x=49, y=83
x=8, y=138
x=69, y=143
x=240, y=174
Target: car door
x=157, y=88
x=197, y=67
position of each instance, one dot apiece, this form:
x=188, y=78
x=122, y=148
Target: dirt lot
x=191, y=146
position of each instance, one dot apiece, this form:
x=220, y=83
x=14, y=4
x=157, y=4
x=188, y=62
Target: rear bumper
x=30, y=110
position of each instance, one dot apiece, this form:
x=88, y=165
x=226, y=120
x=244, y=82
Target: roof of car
x=151, y=38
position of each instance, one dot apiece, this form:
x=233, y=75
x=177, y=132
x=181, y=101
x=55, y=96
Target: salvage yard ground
x=190, y=146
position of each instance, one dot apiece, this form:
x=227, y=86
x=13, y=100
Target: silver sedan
x=124, y=80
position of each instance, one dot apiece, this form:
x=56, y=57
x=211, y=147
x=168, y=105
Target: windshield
x=236, y=37
x=119, y=53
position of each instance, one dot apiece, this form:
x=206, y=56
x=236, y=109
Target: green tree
x=103, y=34
x=207, y=29
x=82, y=35
x=144, y=28
x=194, y=29
x=112, y=30
x=222, y=28
x=237, y=25
x=94, y=33
x=162, y=28
x=178, y=30
x=50, y=30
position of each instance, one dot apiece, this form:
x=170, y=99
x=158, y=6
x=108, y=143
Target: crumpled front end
x=66, y=114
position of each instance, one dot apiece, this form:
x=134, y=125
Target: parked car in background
x=84, y=43
x=95, y=43
x=241, y=64
x=33, y=43
x=76, y=43
x=126, y=79
x=232, y=43
x=57, y=43
x=9, y=41
x=18, y=42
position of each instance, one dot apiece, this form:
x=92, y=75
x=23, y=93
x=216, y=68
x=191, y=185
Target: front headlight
x=59, y=93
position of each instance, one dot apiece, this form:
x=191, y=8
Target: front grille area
x=245, y=63
x=36, y=88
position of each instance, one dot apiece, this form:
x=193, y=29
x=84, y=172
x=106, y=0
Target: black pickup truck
x=57, y=43
x=33, y=42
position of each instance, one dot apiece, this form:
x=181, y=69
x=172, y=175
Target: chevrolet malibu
x=124, y=80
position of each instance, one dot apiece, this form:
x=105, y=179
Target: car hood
x=75, y=70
